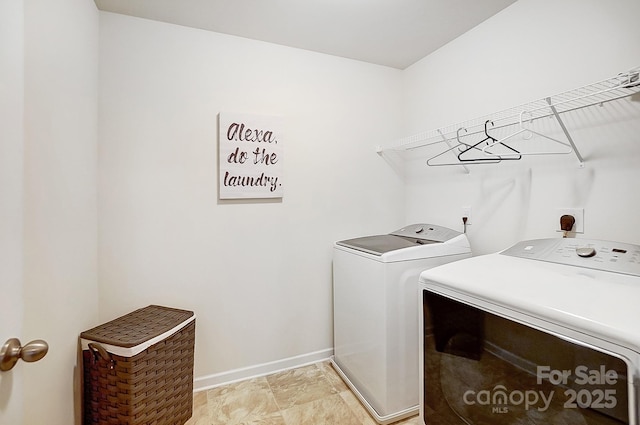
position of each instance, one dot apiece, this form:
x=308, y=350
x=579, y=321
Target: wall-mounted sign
x=250, y=156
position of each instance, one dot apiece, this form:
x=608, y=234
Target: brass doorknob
x=12, y=351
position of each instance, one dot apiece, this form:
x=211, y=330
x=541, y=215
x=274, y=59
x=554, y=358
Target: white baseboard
x=210, y=381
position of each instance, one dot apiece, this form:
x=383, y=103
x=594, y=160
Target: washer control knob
x=585, y=252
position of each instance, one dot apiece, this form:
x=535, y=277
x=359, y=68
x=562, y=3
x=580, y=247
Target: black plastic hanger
x=490, y=140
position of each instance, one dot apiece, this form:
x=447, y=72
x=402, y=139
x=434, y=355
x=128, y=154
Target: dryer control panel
x=615, y=257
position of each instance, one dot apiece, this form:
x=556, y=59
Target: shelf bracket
x=566, y=132
x=466, y=169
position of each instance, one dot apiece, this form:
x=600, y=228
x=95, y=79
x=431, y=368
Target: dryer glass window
x=480, y=368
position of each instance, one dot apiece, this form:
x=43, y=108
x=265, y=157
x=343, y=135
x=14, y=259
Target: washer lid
x=380, y=244
x=407, y=237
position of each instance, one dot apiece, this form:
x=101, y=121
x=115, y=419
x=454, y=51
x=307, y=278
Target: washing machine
x=544, y=332
x=375, y=282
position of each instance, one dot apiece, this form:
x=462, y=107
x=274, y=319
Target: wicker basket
x=138, y=369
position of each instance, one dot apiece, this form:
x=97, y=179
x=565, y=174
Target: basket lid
x=138, y=326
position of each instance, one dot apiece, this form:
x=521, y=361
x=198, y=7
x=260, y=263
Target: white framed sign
x=250, y=156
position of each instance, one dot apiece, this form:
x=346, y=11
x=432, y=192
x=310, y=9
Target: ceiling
x=394, y=33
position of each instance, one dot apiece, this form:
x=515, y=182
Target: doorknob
x=12, y=351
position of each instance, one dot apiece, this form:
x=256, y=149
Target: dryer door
x=483, y=369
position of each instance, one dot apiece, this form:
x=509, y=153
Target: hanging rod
x=611, y=89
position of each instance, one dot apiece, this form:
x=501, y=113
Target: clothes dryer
x=545, y=332
x=376, y=303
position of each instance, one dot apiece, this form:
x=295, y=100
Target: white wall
x=533, y=49
x=257, y=273
x=60, y=216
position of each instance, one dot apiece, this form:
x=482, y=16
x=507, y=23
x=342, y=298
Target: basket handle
x=98, y=349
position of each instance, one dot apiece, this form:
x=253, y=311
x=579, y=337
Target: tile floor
x=310, y=395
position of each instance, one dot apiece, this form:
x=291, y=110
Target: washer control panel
x=429, y=232
x=615, y=257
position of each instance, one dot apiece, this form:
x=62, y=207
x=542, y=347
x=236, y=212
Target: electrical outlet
x=577, y=213
x=466, y=212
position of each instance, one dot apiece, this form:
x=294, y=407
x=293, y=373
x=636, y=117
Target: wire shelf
x=618, y=87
